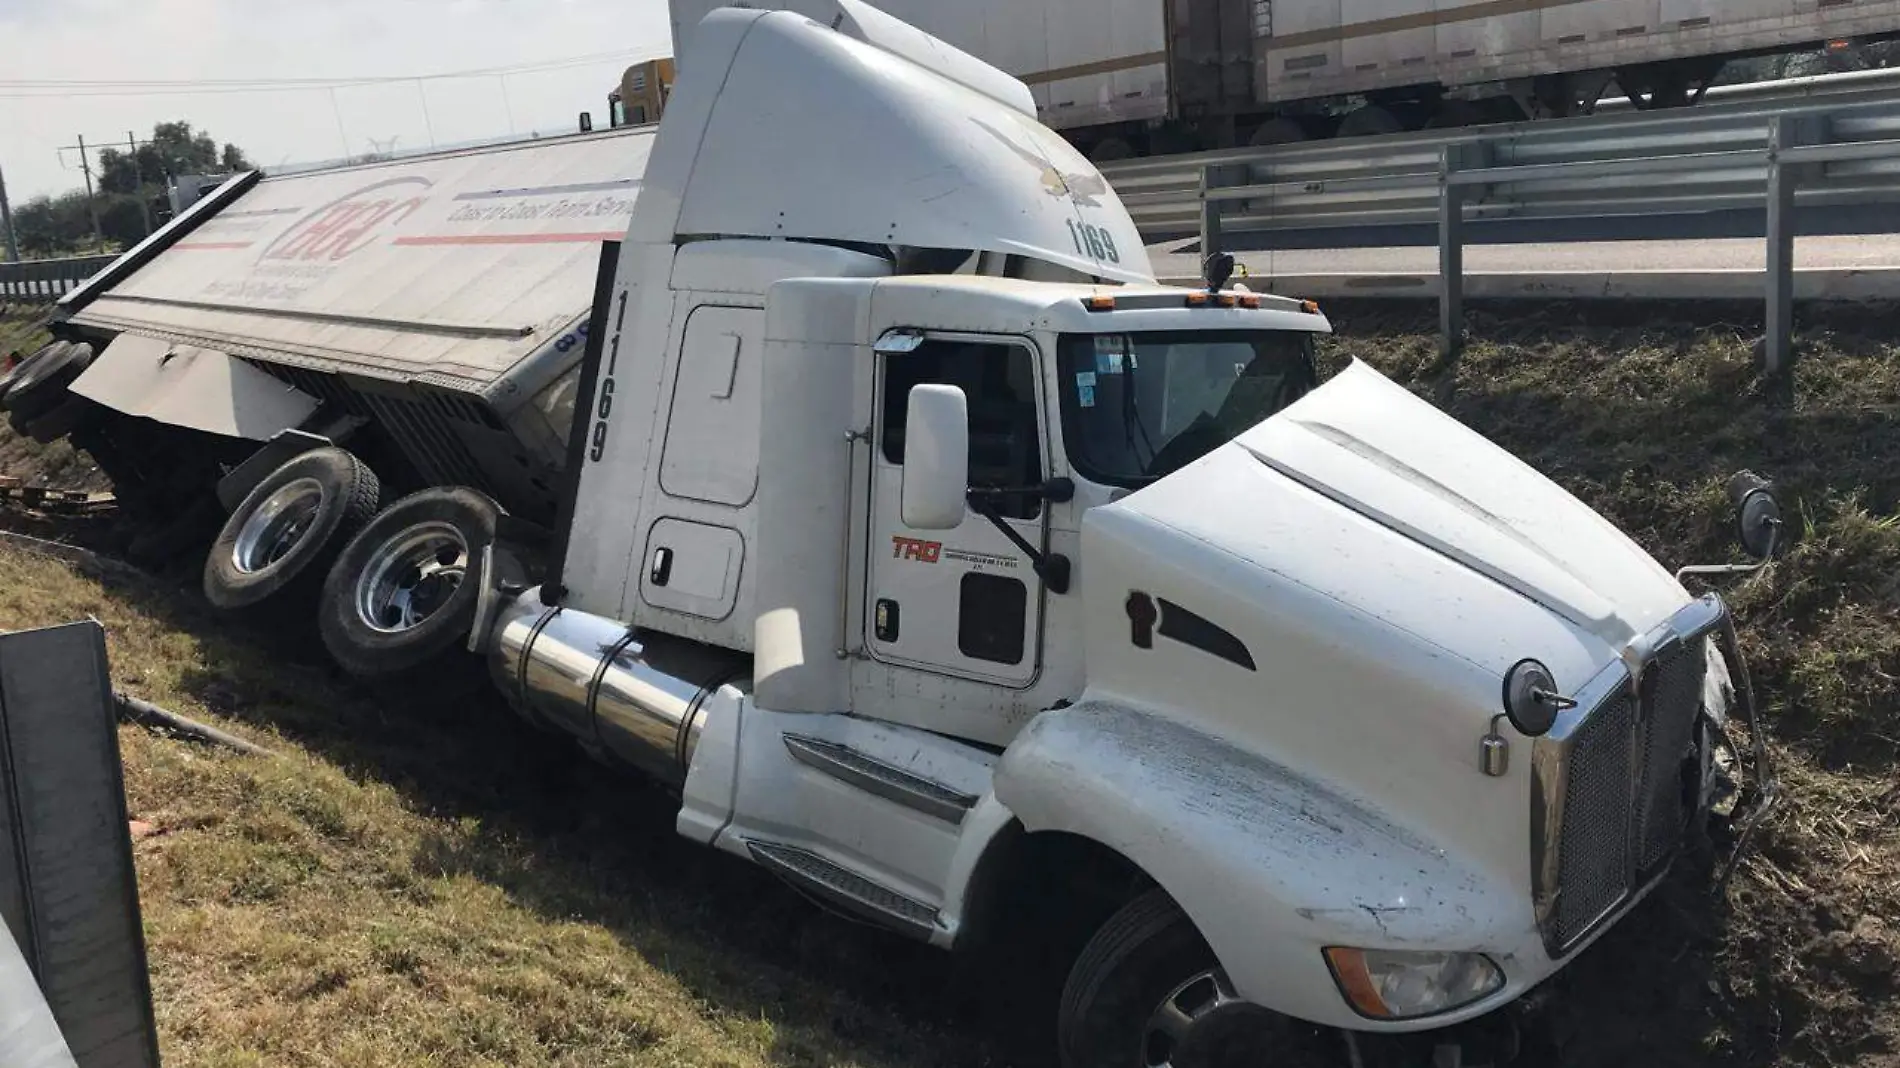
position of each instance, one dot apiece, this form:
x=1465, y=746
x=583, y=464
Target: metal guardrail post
x=1451, y=254
x=1784, y=132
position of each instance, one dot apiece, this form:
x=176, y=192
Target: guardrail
x=45, y=281
x=1840, y=151
x=1306, y=179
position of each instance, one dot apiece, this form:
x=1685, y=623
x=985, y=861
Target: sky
x=211, y=40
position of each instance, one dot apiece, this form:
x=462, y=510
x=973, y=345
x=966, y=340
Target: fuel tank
x=632, y=696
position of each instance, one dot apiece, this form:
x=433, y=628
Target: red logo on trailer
x=925, y=552
x=349, y=224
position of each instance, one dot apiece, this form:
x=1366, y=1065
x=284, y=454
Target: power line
x=101, y=87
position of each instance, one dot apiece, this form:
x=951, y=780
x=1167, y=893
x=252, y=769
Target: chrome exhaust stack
x=634, y=696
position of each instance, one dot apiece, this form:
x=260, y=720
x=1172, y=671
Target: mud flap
x=68, y=896
x=203, y=389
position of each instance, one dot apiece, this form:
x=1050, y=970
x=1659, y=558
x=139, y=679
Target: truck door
x=961, y=602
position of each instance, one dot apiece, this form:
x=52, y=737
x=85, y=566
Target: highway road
x=1845, y=267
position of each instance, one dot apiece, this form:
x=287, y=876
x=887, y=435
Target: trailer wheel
x=12, y=374
x=1148, y=991
x=402, y=595
x=286, y=532
x=42, y=387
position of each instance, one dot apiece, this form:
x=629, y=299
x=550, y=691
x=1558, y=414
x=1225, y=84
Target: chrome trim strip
x=1550, y=759
x=880, y=779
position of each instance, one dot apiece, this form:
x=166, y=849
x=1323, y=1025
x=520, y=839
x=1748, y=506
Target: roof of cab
x=1063, y=306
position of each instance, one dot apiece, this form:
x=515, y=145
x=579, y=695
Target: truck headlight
x=1391, y=984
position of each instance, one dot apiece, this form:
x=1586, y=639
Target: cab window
x=1000, y=382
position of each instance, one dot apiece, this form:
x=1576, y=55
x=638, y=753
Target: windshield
x=1138, y=406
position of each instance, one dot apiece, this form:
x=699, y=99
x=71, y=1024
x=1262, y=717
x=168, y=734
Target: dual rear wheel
x=394, y=587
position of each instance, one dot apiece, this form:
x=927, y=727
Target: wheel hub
x=411, y=577
x=274, y=529
x=1203, y=1023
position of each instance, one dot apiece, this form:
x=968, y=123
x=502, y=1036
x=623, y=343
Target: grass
x=22, y=329
x=419, y=880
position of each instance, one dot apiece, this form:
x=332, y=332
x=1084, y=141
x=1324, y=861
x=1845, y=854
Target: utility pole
x=138, y=180
x=6, y=224
x=92, y=202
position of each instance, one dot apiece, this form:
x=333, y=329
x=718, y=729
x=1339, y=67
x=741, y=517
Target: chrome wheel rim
x=411, y=577
x=1203, y=1023
x=274, y=529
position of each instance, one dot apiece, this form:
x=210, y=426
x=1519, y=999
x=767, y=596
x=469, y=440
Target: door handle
x=662, y=568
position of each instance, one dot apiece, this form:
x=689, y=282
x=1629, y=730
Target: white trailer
x=430, y=313
x=955, y=571
x=1123, y=77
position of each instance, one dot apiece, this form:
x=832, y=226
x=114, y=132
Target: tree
x=128, y=178
x=53, y=226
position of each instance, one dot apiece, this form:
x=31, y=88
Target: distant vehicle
x=641, y=96
x=1139, y=77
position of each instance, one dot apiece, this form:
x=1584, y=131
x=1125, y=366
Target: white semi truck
x=942, y=562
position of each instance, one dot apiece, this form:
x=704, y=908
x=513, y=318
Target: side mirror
x=1757, y=514
x=936, y=457
x=1531, y=699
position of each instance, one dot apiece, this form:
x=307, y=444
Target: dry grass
x=22, y=329
x=421, y=881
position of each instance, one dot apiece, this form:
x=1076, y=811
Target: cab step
x=847, y=890
x=878, y=777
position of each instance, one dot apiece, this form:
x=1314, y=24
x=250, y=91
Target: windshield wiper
x=1131, y=411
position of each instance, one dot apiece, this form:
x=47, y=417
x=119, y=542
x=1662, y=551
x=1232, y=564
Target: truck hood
x=1371, y=446
x=1342, y=589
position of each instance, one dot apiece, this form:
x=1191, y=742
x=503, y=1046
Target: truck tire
x=1147, y=990
x=12, y=374
x=401, y=597
x=69, y=416
x=42, y=387
x=283, y=536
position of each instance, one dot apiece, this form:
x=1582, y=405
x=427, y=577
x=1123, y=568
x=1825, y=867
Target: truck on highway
x=869, y=493
x=1126, y=78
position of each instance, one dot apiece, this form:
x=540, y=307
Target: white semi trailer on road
x=944, y=563
x=1152, y=77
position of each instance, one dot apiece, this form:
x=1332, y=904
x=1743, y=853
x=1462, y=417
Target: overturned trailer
x=429, y=313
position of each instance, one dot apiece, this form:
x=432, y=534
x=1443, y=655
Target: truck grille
x=1593, y=855
x=1612, y=796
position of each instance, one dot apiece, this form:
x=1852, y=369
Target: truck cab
x=1021, y=591
x=978, y=586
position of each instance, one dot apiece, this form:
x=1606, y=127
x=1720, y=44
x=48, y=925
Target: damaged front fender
x=1272, y=866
